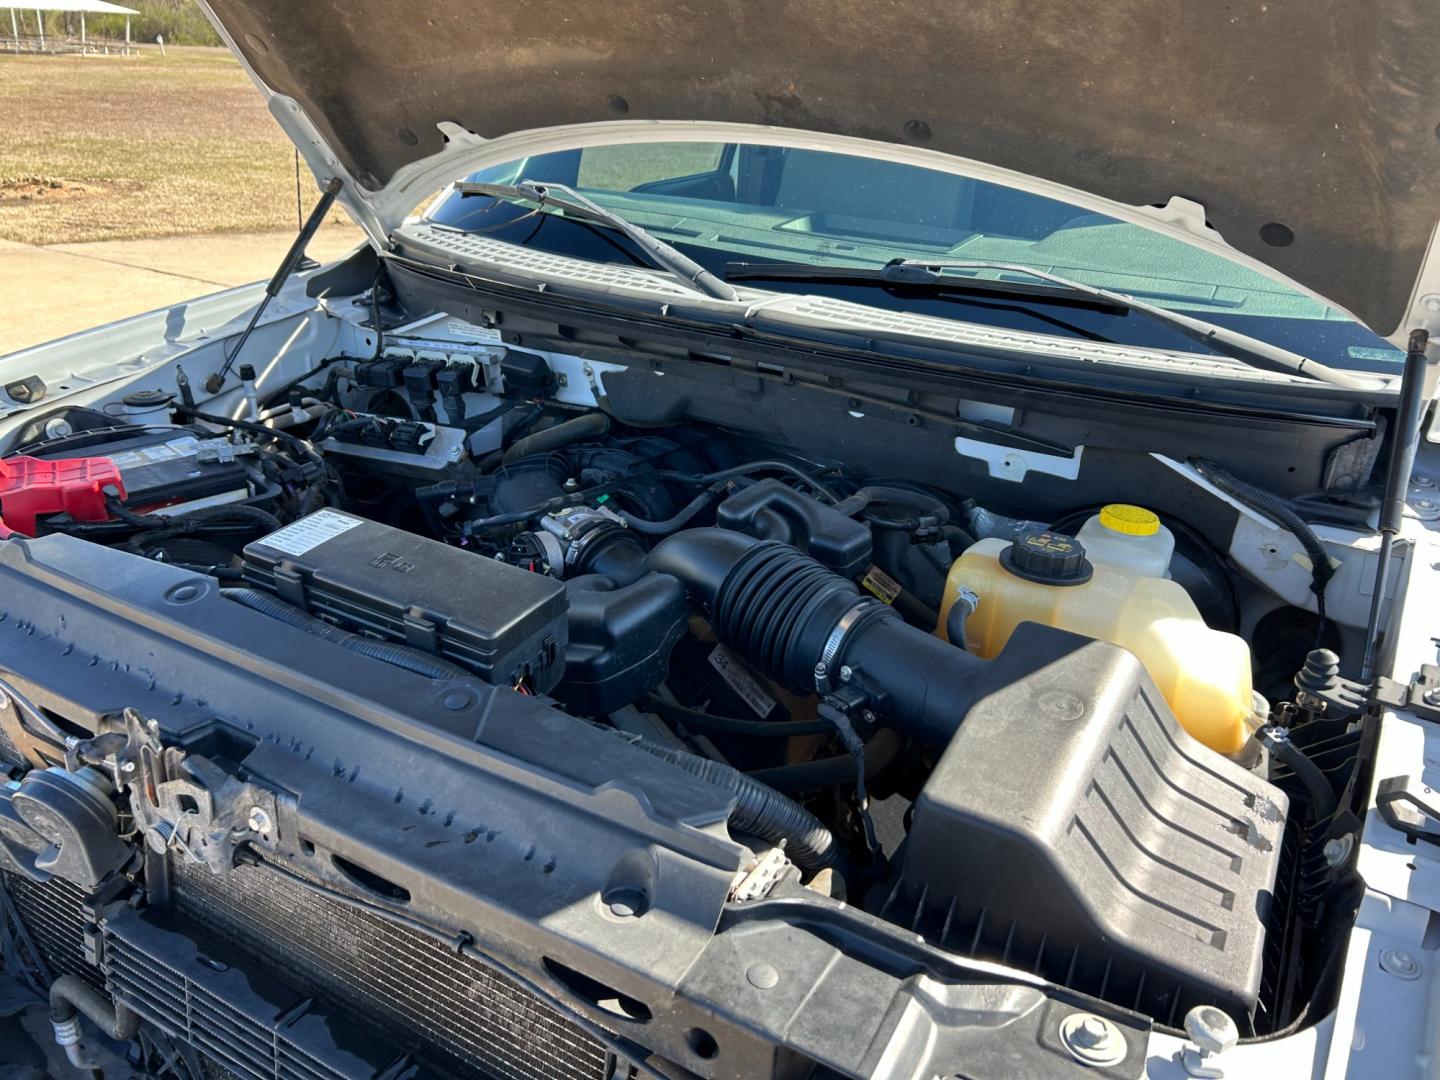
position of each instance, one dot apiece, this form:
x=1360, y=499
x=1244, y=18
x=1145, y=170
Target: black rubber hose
x=1322, y=795
x=759, y=811
x=69, y=994
x=403, y=656
x=1273, y=507
x=830, y=772
x=593, y=425
x=749, y=468
x=960, y=612
x=294, y=442
x=922, y=504
x=703, y=721
x=673, y=523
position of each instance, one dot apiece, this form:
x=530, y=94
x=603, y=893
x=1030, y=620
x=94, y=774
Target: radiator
x=54, y=918
x=308, y=988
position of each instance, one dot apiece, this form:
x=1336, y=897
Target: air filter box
x=1073, y=827
x=499, y=621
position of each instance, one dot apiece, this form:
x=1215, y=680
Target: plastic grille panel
x=453, y=1010
x=214, y=1009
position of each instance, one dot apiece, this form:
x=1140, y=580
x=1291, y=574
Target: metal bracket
x=1409, y=806
x=1423, y=694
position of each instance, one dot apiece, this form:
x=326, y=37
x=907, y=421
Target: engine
x=797, y=678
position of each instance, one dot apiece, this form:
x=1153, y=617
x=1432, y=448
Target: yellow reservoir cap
x=1131, y=520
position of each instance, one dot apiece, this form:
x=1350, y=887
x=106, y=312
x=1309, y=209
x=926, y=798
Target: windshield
x=728, y=203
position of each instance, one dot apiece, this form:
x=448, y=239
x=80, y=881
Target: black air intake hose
x=788, y=614
x=759, y=810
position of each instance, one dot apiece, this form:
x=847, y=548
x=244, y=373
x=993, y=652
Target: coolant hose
x=591, y=425
x=422, y=663
x=802, y=624
x=71, y=996
x=1322, y=795
x=759, y=810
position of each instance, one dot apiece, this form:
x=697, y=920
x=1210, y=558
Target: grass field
x=101, y=148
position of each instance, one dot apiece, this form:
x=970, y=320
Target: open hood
x=1308, y=131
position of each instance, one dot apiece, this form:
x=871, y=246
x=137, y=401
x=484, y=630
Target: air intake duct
x=800, y=623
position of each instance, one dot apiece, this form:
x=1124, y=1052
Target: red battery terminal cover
x=31, y=487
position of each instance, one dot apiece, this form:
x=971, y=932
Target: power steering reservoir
x=1121, y=596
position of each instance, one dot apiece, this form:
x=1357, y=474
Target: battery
x=503, y=623
x=174, y=470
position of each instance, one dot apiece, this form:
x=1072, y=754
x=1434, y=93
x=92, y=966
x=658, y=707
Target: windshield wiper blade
x=661, y=254
x=1221, y=339
x=867, y=275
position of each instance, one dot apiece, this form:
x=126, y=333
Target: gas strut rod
x=287, y=267
x=1403, y=445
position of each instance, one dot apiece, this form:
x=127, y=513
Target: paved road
x=57, y=290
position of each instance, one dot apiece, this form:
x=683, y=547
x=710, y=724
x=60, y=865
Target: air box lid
x=1072, y=825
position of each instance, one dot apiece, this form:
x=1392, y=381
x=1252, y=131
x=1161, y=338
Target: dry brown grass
x=104, y=148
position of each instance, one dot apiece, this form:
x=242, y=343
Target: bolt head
x=1432, y=696
x=1211, y=1029
x=1337, y=849
x=259, y=820
x=1399, y=963
x=846, y=673
x=1092, y=1039
x=127, y=766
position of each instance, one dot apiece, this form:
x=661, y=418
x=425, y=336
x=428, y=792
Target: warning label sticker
x=738, y=678
x=311, y=532
x=881, y=584
x=186, y=446
x=461, y=328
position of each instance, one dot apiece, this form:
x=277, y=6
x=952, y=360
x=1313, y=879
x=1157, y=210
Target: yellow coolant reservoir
x=1045, y=577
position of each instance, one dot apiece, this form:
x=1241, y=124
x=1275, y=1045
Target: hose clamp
x=67, y=1032
x=836, y=641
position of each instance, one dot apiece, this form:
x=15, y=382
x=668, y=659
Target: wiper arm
x=1237, y=346
x=661, y=254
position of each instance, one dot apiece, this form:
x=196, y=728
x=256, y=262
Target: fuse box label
x=310, y=532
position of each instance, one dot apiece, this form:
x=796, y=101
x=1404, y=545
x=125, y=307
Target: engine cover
x=1071, y=822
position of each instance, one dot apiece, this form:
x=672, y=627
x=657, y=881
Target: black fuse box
x=501, y=622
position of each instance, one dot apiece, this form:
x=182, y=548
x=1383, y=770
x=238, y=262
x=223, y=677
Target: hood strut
x=282, y=274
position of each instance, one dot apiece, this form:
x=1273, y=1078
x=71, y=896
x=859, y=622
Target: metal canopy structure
x=80, y=7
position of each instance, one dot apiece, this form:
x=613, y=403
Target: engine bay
x=1074, y=740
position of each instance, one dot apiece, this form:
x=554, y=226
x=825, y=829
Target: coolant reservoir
x=1046, y=577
